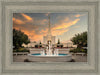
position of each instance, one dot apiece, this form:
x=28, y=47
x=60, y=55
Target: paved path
x=80, y=58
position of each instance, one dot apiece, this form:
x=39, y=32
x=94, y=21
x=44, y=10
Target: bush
x=36, y=46
x=26, y=60
x=21, y=50
x=71, y=50
x=61, y=46
x=40, y=45
x=78, y=50
x=58, y=46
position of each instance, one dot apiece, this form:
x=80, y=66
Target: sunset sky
x=63, y=25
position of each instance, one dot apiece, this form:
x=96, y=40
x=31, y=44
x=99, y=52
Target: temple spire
x=49, y=27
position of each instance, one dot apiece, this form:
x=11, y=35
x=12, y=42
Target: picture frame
x=7, y=8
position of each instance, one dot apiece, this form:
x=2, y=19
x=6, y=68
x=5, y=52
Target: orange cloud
x=33, y=36
x=66, y=25
x=41, y=22
x=27, y=17
x=44, y=21
x=78, y=15
x=18, y=21
x=59, y=32
x=44, y=31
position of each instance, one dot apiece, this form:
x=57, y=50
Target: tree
x=40, y=42
x=36, y=46
x=58, y=41
x=80, y=40
x=61, y=46
x=19, y=38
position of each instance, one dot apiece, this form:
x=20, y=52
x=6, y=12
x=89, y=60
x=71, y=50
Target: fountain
x=49, y=55
x=49, y=51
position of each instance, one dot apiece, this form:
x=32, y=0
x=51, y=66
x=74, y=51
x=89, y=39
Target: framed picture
x=36, y=39
x=49, y=37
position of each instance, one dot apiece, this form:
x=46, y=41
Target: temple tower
x=49, y=30
x=49, y=36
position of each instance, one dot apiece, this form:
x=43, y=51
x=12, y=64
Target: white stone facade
x=45, y=39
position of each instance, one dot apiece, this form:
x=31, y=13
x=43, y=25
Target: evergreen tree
x=40, y=42
x=58, y=41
